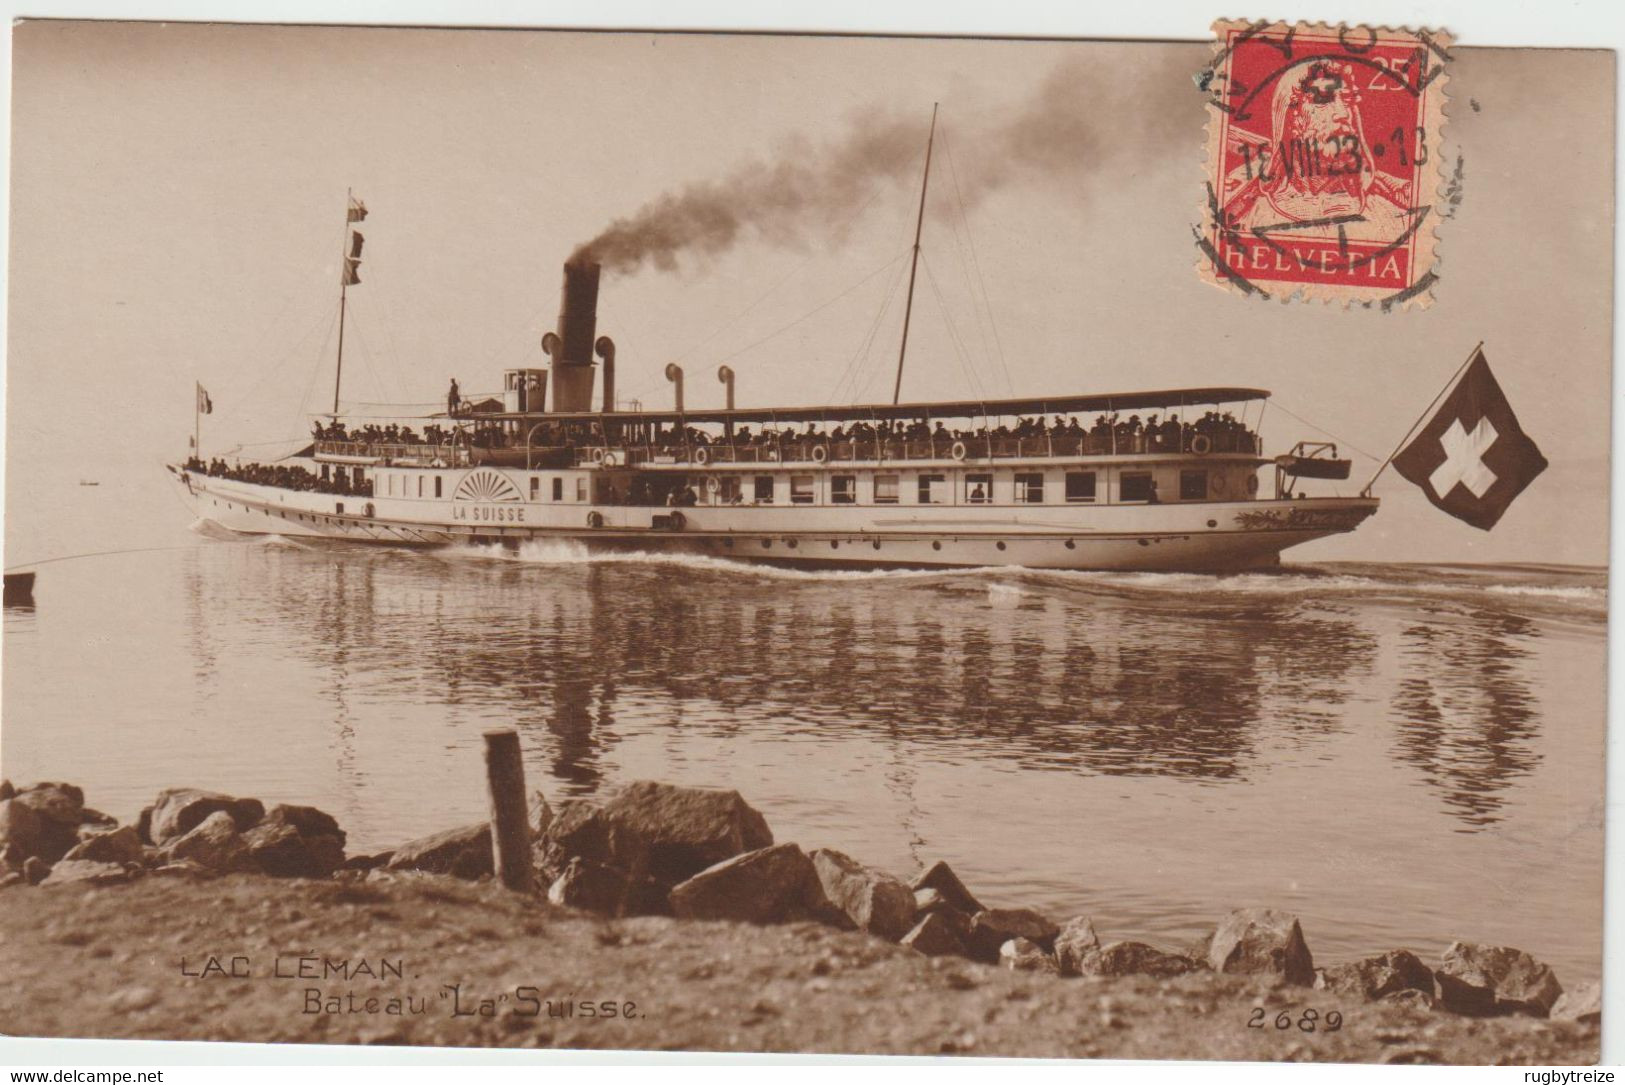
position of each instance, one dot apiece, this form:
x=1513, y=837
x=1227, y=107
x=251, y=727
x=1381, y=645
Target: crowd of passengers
x=282, y=476
x=391, y=434
x=1159, y=433
x=1154, y=433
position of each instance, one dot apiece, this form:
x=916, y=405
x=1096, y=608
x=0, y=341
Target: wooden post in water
x=510, y=821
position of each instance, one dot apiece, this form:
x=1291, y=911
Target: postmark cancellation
x=1323, y=168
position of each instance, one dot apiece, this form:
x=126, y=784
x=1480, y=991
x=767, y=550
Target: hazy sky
x=178, y=196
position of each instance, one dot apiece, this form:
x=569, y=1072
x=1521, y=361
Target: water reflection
x=1006, y=668
x=1467, y=715
x=1002, y=668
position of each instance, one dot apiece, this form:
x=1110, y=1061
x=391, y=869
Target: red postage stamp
x=1323, y=161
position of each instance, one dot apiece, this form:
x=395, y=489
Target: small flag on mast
x=1472, y=458
x=204, y=404
x=357, y=211
x=352, y=271
x=355, y=244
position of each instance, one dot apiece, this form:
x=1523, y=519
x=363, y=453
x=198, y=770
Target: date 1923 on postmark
x=1323, y=161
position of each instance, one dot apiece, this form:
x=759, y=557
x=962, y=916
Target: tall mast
x=344, y=284
x=919, y=222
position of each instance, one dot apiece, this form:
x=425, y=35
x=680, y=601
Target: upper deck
x=1044, y=429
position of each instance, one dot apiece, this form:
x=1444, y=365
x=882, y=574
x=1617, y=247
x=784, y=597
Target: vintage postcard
x=806, y=543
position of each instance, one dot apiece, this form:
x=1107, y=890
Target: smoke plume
x=1083, y=118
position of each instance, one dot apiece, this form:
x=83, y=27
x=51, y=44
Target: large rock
x=22, y=834
x=1134, y=959
x=119, y=846
x=591, y=887
x=576, y=830
x=177, y=811
x=1583, y=1004
x=1262, y=940
x=1021, y=955
x=90, y=872
x=214, y=843
x=1076, y=940
x=58, y=810
x=1377, y=977
x=671, y=833
x=762, y=886
x=296, y=842
x=941, y=877
x=938, y=935
x=870, y=899
x=991, y=928
x=462, y=853
x=1475, y=979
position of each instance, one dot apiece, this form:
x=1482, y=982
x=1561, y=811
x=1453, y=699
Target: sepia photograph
x=824, y=544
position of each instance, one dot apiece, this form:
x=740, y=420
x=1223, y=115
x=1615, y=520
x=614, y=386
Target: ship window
x=581, y=489
x=1193, y=485
x=558, y=488
x=728, y=490
x=885, y=489
x=437, y=485
x=420, y=485
x=1080, y=485
x=1134, y=486
x=801, y=489
x=327, y=473
x=763, y=493
x=978, y=489
x=843, y=490
x=1030, y=487
x=535, y=487
x=933, y=489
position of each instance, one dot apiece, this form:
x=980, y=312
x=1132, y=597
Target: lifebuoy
x=598, y=455
x=1252, y=485
x=1201, y=444
x=611, y=458
x=958, y=451
x=773, y=455
x=595, y=519
x=366, y=510
x=677, y=521
x=702, y=455
x=712, y=484
x=820, y=453
x=1218, y=484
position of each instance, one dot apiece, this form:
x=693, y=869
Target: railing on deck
x=795, y=450
x=801, y=450
x=398, y=454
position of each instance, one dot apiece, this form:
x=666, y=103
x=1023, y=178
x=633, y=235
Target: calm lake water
x=1401, y=755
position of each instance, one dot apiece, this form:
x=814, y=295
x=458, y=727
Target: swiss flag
x=1472, y=458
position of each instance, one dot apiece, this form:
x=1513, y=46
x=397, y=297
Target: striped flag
x=357, y=212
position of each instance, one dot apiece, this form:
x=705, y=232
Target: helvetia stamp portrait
x=1323, y=166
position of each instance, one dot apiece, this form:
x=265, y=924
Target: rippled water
x=1400, y=754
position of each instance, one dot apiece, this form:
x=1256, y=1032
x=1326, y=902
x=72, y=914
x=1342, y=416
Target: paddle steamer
x=1033, y=481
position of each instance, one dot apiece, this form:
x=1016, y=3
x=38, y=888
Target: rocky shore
x=673, y=919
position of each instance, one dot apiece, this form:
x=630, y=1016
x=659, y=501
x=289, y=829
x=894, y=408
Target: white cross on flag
x=1472, y=458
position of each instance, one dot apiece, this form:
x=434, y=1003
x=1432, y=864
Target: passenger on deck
x=453, y=398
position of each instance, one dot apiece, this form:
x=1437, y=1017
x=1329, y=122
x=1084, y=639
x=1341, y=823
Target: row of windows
x=930, y=488
x=933, y=489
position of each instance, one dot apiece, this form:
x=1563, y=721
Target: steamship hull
x=1205, y=537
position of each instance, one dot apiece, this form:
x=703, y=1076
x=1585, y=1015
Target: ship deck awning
x=964, y=408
